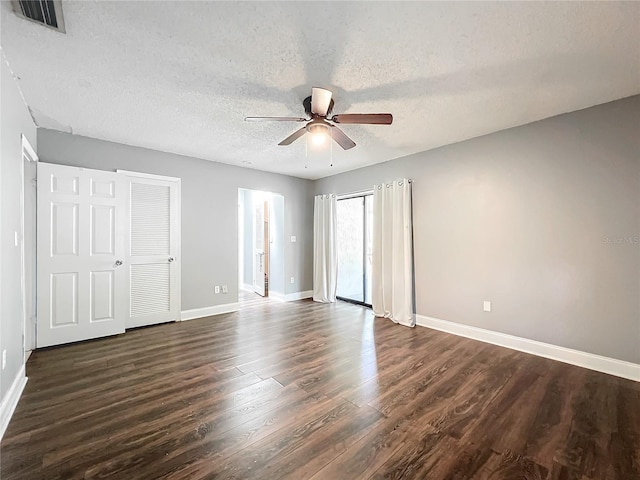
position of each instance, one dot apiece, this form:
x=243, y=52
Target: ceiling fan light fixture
x=318, y=128
x=319, y=132
x=319, y=138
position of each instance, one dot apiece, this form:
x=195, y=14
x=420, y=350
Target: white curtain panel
x=392, y=249
x=325, y=253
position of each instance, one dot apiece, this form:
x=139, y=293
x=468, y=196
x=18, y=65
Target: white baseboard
x=246, y=287
x=292, y=297
x=10, y=401
x=209, y=311
x=591, y=361
x=277, y=296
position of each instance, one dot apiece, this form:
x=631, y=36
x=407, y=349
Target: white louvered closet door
x=153, y=249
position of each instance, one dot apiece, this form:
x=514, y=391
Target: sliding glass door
x=354, y=248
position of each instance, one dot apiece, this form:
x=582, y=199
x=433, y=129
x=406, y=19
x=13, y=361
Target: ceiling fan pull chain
x=331, y=147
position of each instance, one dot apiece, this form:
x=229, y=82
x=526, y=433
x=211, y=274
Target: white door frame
x=28, y=342
x=240, y=229
x=259, y=254
x=247, y=236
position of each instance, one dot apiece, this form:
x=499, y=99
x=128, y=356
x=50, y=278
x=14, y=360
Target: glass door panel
x=355, y=229
x=350, y=240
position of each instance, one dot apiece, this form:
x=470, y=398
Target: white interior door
x=81, y=285
x=259, y=248
x=153, y=249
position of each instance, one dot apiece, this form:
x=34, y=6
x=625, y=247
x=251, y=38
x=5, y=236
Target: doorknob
x=118, y=263
x=171, y=259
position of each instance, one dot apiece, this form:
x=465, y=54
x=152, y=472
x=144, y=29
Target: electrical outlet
x=293, y=239
x=293, y=279
x=486, y=306
x=225, y=289
x=4, y=358
x=217, y=289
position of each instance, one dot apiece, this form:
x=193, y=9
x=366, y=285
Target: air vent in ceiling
x=44, y=12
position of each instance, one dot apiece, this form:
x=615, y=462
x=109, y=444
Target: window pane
x=350, y=240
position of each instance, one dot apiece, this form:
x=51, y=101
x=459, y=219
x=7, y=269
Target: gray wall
x=247, y=241
x=543, y=220
x=14, y=121
x=209, y=210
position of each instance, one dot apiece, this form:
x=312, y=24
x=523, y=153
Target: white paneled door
x=81, y=282
x=152, y=257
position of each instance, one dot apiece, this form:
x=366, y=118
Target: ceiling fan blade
x=364, y=118
x=275, y=119
x=341, y=138
x=294, y=136
x=320, y=101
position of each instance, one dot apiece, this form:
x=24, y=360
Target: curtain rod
x=355, y=194
x=364, y=192
x=385, y=184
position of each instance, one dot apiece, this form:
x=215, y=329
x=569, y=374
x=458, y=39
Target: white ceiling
x=181, y=76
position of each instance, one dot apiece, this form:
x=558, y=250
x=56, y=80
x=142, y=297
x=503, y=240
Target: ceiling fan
x=318, y=107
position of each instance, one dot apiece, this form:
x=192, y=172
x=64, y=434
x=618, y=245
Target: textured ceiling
x=181, y=76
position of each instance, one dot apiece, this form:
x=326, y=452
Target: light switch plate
x=293, y=239
x=486, y=306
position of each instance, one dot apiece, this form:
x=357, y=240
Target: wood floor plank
x=548, y=431
x=257, y=460
x=417, y=458
x=505, y=421
x=624, y=448
x=364, y=457
x=466, y=405
x=193, y=448
x=324, y=445
x=508, y=466
x=594, y=431
x=305, y=390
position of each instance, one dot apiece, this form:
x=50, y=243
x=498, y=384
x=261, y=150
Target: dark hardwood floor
x=309, y=391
